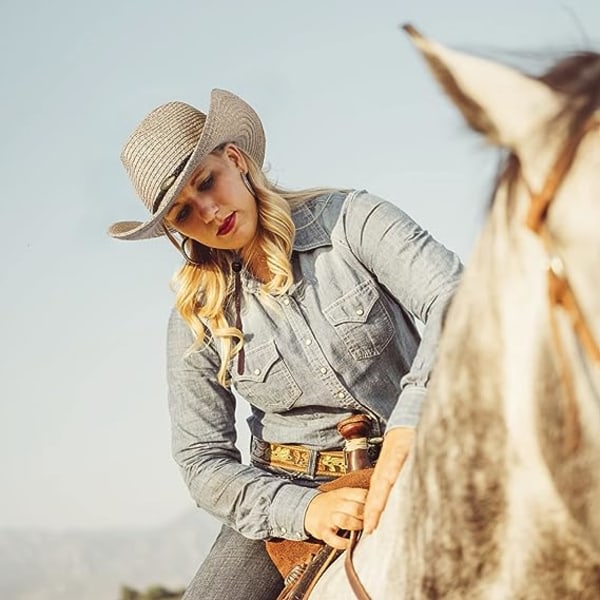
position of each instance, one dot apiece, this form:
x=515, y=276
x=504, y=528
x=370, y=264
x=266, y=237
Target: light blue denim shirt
x=343, y=340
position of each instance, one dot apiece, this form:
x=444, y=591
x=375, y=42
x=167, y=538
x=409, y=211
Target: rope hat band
x=168, y=145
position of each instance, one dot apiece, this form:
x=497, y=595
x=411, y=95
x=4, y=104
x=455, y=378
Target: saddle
x=301, y=563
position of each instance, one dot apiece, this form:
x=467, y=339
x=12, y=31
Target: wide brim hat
x=168, y=145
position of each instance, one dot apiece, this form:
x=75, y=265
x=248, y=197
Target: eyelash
x=205, y=184
x=182, y=214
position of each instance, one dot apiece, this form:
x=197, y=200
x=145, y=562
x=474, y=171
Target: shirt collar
x=310, y=233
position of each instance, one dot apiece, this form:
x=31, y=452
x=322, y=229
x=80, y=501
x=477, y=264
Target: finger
x=394, y=451
x=346, y=521
x=358, y=495
x=382, y=481
x=331, y=538
x=376, y=501
x=351, y=506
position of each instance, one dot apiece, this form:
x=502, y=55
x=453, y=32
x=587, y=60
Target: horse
x=500, y=496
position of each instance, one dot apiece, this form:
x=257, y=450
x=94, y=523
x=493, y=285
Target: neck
x=256, y=263
x=260, y=270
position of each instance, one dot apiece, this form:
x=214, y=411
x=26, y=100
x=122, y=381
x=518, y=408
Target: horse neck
x=458, y=480
x=484, y=454
x=546, y=470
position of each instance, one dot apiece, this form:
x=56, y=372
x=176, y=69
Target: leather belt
x=305, y=460
x=299, y=459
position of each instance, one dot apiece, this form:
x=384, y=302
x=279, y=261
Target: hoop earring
x=199, y=256
x=205, y=253
x=247, y=183
x=184, y=252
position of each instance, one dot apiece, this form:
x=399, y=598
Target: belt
x=299, y=459
x=304, y=460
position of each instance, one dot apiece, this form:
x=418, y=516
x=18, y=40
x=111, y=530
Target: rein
x=560, y=291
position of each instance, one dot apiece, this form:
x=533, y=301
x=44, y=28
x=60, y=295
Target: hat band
x=168, y=182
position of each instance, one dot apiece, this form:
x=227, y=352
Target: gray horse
x=500, y=498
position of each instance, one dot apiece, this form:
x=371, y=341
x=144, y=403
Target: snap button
x=341, y=395
x=323, y=370
x=257, y=371
x=360, y=312
x=167, y=182
x=308, y=341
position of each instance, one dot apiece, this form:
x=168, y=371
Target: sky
x=345, y=101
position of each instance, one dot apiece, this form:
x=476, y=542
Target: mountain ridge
x=93, y=565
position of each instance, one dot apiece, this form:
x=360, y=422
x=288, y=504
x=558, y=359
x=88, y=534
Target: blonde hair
x=204, y=293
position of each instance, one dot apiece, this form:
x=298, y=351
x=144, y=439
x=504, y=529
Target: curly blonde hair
x=204, y=293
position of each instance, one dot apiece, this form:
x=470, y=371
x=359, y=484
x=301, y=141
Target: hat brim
x=229, y=119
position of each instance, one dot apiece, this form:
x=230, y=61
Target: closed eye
x=205, y=184
x=182, y=214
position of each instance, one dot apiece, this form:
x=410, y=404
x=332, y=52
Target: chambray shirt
x=342, y=340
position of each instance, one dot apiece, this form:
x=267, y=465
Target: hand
x=331, y=511
x=395, y=448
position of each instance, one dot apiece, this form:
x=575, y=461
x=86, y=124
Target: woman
x=303, y=302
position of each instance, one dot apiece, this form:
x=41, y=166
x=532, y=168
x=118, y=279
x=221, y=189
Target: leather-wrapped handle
x=355, y=430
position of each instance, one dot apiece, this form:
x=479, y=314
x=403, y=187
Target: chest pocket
x=362, y=321
x=267, y=383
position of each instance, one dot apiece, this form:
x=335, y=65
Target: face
x=215, y=208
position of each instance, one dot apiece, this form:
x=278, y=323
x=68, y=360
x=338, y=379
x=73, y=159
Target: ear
x=234, y=154
x=497, y=101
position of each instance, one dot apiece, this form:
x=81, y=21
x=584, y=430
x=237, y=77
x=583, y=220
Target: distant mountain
x=94, y=565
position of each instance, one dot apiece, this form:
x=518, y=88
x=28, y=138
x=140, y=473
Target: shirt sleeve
x=255, y=503
x=418, y=271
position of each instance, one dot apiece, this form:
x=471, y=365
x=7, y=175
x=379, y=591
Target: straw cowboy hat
x=170, y=143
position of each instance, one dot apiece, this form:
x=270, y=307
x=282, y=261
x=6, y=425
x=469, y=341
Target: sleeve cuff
x=408, y=409
x=288, y=507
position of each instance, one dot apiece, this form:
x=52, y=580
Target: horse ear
x=496, y=100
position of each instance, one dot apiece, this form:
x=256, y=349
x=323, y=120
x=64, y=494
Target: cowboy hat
x=169, y=144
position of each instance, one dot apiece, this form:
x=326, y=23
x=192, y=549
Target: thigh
x=235, y=569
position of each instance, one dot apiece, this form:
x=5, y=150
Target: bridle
x=560, y=291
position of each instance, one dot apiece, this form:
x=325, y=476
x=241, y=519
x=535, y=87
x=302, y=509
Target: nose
x=206, y=209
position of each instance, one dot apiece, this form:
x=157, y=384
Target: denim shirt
x=342, y=340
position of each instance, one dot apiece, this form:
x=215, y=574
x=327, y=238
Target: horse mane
x=577, y=77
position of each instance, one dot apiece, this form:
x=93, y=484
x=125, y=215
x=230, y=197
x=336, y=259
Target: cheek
x=195, y=229
x=253, y=215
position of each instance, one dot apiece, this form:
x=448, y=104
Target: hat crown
x=158, y=146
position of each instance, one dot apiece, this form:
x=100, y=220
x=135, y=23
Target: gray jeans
x=236, y=568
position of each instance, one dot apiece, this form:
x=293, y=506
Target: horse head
x=499, y=497
x=537, y=261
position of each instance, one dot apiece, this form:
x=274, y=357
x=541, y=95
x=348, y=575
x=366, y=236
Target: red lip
x=227, y=225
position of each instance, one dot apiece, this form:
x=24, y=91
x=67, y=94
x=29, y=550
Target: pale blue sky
x=345, y=100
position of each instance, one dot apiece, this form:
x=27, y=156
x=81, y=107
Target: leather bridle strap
x=560, y=292
x=540, y=202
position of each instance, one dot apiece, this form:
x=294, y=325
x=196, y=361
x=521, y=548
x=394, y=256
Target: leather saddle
x=301, y=563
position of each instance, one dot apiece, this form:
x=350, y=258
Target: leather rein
x=560, y=291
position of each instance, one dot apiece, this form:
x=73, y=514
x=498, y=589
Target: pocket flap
x=258, y=362
x=353, y=307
